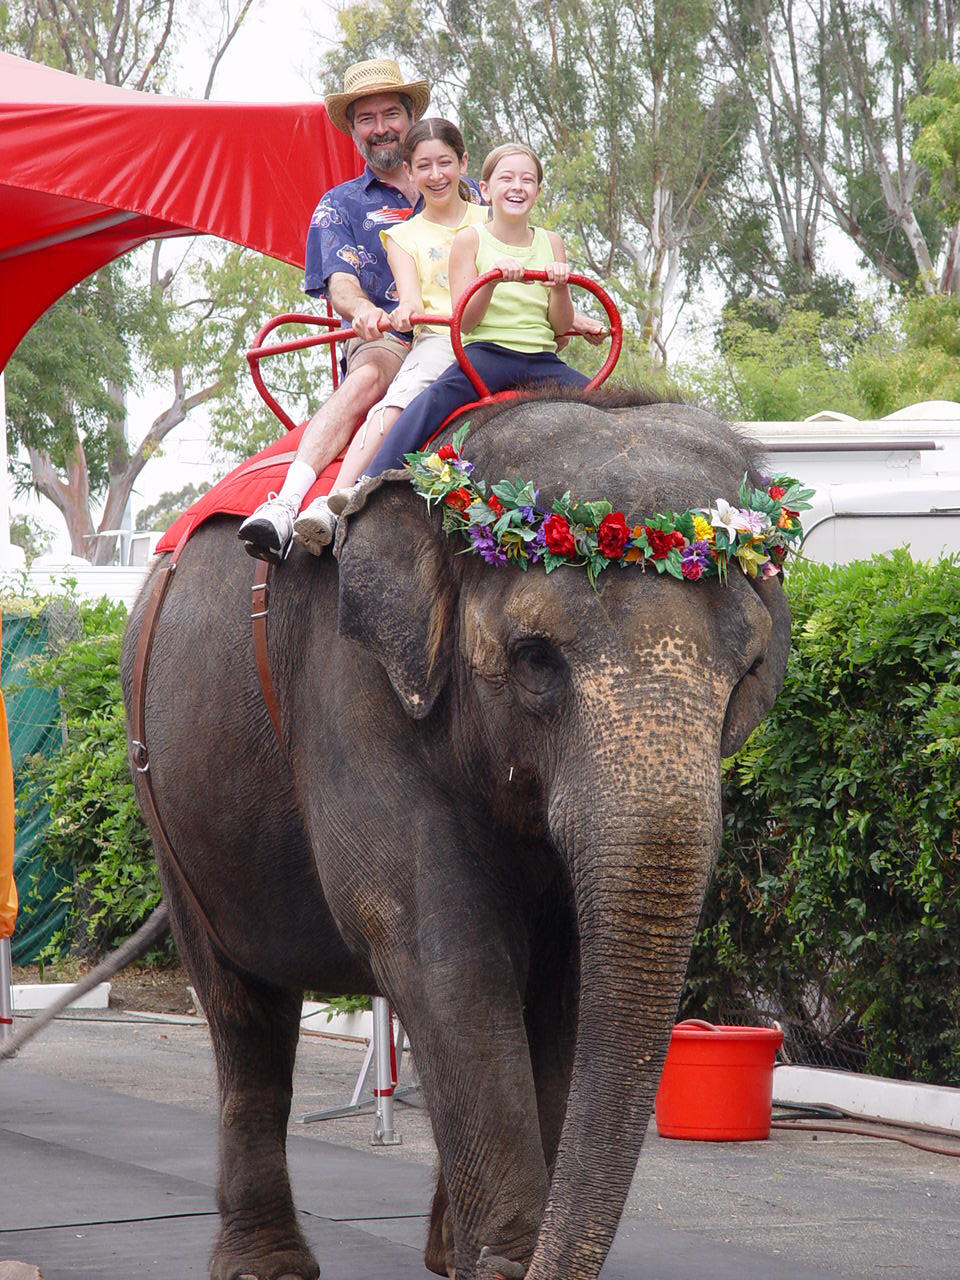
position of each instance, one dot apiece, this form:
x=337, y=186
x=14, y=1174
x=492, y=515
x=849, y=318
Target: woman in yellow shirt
x=418, y=251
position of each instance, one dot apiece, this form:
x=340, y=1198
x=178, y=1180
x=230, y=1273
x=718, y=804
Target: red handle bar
x=613, y=315
x=259, y=351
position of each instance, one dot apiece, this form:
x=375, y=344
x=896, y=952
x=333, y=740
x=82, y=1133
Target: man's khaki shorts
x=353, y=347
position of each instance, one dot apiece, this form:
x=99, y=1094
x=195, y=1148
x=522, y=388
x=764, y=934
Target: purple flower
x=697, y=553
x=484, y=542
x=756, y=522
x=530, y=513
x=463, y=465
x=536, y=546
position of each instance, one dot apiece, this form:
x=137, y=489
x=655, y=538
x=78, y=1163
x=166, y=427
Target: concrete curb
x=897, y=1101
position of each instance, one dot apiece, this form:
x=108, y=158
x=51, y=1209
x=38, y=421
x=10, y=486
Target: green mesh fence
x=35, y=727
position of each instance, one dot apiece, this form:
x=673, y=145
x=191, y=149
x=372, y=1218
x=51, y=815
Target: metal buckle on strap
x=138, y=755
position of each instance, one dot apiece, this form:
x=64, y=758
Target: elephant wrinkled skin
x=501, y=810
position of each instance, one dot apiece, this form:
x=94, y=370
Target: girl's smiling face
x=436, y=171
x=513, y=186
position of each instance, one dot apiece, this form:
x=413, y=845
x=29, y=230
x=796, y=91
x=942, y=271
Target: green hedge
x=836, y=901
x=95, y=826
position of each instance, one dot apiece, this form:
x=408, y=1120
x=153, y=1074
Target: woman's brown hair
x=440, y=130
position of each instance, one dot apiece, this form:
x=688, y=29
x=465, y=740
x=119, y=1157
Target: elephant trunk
x=638, y=881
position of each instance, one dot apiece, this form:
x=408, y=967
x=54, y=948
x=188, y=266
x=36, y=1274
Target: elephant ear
x=397, y=591
x=756, y=692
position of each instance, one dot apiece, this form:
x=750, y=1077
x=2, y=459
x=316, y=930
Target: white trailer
x=881, y=484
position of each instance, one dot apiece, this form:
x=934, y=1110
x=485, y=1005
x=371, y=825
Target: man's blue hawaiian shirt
x=344, y=235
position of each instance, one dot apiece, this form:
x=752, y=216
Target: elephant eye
x=539, y=669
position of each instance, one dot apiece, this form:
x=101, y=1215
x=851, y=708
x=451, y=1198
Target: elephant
x=495, y=800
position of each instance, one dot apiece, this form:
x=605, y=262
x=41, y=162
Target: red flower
x=447, y=453
x=776, y=492
x=459, y=499
x=612, y=535
x=661, y=544
x=557, y=535
x=691, y=569
x=495, y=505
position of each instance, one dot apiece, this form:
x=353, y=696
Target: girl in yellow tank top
x=522, y=317
x=418, y=251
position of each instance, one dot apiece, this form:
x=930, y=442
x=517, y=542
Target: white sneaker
x=338, y=499
x=268, y=533
x=315, y=526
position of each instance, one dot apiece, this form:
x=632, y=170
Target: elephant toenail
x=492, y=1267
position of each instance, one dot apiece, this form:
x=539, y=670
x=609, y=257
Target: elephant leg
x=254, y=1029
x=466, y=1027
x=550, y=1012
x=438, y=1254
x=551, y=1026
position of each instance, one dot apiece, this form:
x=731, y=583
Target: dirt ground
x=147, y=990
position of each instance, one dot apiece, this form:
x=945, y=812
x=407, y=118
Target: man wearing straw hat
x=346, y=261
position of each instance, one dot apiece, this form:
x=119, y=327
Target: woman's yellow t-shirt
x=428, y=244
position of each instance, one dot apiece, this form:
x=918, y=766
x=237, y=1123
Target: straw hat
x=379, y=75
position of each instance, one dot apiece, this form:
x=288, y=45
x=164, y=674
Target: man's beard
x=382, y=151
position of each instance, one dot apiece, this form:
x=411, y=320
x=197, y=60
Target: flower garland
x=508, y=526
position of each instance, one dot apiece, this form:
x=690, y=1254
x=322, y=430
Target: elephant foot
x=491, y=1267
x=438, y=1255
x=252, y=1263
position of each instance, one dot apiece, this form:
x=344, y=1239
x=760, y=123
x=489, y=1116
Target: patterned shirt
x=344, y=235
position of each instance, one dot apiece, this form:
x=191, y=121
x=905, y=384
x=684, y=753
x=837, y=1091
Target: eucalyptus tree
x=634, y=112
x=836, y=78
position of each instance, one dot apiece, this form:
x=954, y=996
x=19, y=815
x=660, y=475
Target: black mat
x=99, y=1186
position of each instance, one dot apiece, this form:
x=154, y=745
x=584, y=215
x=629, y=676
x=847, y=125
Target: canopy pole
x=6, y=990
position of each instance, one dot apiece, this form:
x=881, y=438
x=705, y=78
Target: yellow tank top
x=517, y=314
x=428, y=244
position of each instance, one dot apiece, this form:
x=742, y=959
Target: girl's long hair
x=436, y=128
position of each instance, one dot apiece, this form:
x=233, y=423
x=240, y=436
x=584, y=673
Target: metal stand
x=386, y=1055
x=6, y=993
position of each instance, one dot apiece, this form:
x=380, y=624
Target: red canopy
x=88, y=171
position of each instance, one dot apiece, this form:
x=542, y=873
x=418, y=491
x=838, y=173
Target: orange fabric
x=8, y=890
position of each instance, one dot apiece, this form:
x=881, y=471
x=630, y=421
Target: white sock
x=300, y=480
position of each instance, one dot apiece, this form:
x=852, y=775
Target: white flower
x=729, y=519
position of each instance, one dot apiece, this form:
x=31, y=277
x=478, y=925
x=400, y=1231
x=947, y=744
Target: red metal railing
x=261, y=350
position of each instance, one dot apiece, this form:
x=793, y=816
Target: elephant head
x=594, y=721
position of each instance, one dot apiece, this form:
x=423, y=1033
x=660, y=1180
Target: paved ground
x=107, y=1153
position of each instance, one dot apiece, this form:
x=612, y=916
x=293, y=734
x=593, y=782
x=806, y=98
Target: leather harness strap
x=138, y=744
x=258, y=619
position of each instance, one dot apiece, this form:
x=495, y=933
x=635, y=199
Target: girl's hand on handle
x=588, y=327
x=511, y=268
x=558, y=273
x=400, y=316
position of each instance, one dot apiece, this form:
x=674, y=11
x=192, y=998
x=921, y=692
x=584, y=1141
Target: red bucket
x=717, y=1083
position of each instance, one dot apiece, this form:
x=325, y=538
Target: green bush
x=836, y=901
x=95, y=822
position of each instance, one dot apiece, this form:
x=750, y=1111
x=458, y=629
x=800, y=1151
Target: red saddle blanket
x=245, y=488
